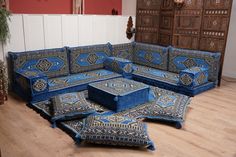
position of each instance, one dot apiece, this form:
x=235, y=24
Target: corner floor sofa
x=41, y=74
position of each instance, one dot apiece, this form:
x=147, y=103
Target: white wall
x=32, y=31
x=129, y=7
x=230, y=54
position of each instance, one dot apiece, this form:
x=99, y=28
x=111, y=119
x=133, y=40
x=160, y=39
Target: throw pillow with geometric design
x=70, y=106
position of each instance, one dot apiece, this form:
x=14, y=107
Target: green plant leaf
x=4, y=28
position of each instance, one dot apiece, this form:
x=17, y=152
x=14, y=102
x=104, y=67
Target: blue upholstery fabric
x=168, y=81
x=51, y=62
x=31, y=82
x=180, y=59
x=70, y=106
x=193, y=77
x=80, y=79
x=114, y=130
x=43, y=108
x=119, y=65
x=87, y=58
x=123, y=51
x=151, y=56
x=120, y=93
x=155, y=74
x=167, y=105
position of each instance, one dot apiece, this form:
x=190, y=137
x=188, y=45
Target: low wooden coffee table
x=119, y=94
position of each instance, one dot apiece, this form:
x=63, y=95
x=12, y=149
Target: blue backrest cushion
x=123, y=51
x=151, y=55
x=180, y=59
x=51, y=62
x=87, y=58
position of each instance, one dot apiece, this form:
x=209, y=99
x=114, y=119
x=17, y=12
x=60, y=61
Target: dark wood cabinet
x=198, y=24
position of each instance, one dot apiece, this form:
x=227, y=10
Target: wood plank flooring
x=209, y=131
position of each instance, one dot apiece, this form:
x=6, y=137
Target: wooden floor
x=209, y=131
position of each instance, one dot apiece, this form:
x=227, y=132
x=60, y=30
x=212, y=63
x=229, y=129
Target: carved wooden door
x=147, y=21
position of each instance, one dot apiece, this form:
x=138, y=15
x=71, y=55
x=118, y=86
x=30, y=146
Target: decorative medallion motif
x=92, y=58
x=201, y=78
x=212, y=44
x=189, y=63
x=115, y=66
x=166, y=100
x=40, y=85
x=69, y=98
x=214, y=23
x=128, y=68
x=119, y=85
x=44, y=65
x=149, y=57
x=186, y=79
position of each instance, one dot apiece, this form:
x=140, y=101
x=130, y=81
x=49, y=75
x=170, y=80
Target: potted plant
x=4, y=28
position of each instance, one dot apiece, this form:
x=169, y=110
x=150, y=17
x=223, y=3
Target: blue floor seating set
x=41, y=74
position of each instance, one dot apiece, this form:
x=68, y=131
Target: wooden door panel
x=148, y=4
x=215, y=23
x=167, y=4
x=188, y=22
x=186, y=41
x=165, y=39
x=217, y=4
x=193, y=4
x=212, y=44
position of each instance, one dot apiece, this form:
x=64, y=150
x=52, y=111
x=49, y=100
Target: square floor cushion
x=168, y=106
x=113, y=130
x=70, y=106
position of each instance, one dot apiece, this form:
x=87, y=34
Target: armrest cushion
x=193, y=77
x=119, y=65
x=34, y=82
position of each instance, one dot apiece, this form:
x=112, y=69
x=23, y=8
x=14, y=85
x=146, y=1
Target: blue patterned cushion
x=87, y=58
x=32, y=82
x=193, y=77
x=80, y=79
x=51, y=62
x=155, y=74
x=120, y=93
x=123, y=51
x=119, y=65
x=114, y=130
x=168, y=106
x=70, y=106
x=180, y=59
x=151, y=55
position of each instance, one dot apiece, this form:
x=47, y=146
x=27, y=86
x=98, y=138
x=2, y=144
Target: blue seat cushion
x=113, y=130
x=80, y=79
x=155, y=74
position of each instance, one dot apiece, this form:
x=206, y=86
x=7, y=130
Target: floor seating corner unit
x=41, y=74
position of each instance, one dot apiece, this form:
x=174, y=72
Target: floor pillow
x=113, y=130
x=43, y=108
x=167, y=106
x=70, y=106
